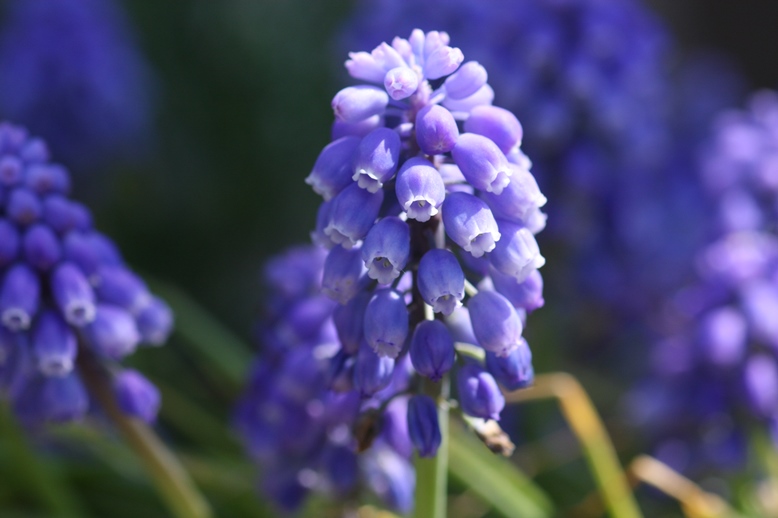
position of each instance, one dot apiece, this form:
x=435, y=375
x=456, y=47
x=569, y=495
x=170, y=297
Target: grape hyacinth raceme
x=715, y=374
x=428, y=268
x=65, y=292
x=71, y=72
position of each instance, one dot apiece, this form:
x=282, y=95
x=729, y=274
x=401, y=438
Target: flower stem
x=581, y=416
x=432, y=473
x=172, y=481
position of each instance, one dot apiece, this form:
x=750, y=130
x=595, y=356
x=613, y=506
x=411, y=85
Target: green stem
x=49, y=489
x=432, y=474
x=171, y=479
x=598, y=449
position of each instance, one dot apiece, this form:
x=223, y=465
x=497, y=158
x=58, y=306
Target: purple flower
x=432, y=349
x=482, y=163
x=496, y=324
x=479, y=394
x=436, y=130
x=386, y=249
x=333, y=168
x=441, y=281
x=386, y=323
x=419, y=189
x=516, y=253
x=352, y=214
x=377, y=158
x=137, y=396
x=423, y=426
x=513, y=371
x=371, y=371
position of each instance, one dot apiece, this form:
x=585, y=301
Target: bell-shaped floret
x=19, y=297
x=53, y=344
x=513, y=371
x=73, y=294
x=356, y=103
x=41, y=247
x=137, y=396
x=497, y=124
x=352, y=214
x=432, y=349
x=496, y=323
x=482, y=163
x=420, y=189
x=343, y=274
x=371, y=371
x=483, y=97
x=479, y=395
x=23, y=206
x=386, y=249
x=376, y=159
x=519, y=200
x=9, y=242
x=331, y=172
x=154, y=321
x=466, y=81
x=527, y=295
x=349, y=321
x=401, y=82
x=441, y=280
x=436, y=130
x=517, y=253
x=470, y=223
x=423, y=426
x=386, y=323
x=113, y=333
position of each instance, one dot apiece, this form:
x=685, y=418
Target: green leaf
x=494, y=479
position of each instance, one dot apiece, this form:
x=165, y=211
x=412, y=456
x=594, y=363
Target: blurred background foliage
x=242, y=94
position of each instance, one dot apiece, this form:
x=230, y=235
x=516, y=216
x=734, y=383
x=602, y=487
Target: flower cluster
x=426, y=194
x=71, y=72
x=426, y=265
x=719, y=363
x=64, y=292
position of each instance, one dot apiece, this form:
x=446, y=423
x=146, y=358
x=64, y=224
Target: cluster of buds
x=65, y=292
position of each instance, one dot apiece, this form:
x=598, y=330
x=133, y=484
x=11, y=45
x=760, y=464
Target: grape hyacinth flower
x=66, y=295
x=719, y=359
x=426, y=182
x=71, y=72
x=405, y=233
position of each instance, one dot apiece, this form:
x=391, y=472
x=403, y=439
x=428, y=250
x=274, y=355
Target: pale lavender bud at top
x=723, y=336
x=349, y=321
x=470, y=223
x=419, y=189
x=484, y=96
x=386, y=249
x=466, y=81
x=371, y=371
x=432, y=349
x=436, y=130
x=442, y=61
x=387, y=57
x=19, y=297
x=47, y=179
x=362, y=65
x=386, y=323
x=23, y=206
x=41, y=247
x=761, y=383
x=331, y=172
x=423, y=426
x=441, y=280
x=155, y=321
x=520, y=198
x=118, y=286
x=496, y=324
x=352, y=214
x=517, y=253
x=482, y=163
x=73, y=294
x=9, y=242
x=137, y=396
x=527, y=295
x=10, y=171
x=497, y=124
x=479, y=395
x=376, y=158
x=513, y=371
x=356, y=103
x=401, y=82
x=355, y=129
x=54, y=344
x=343, y=270
x=112, y=333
